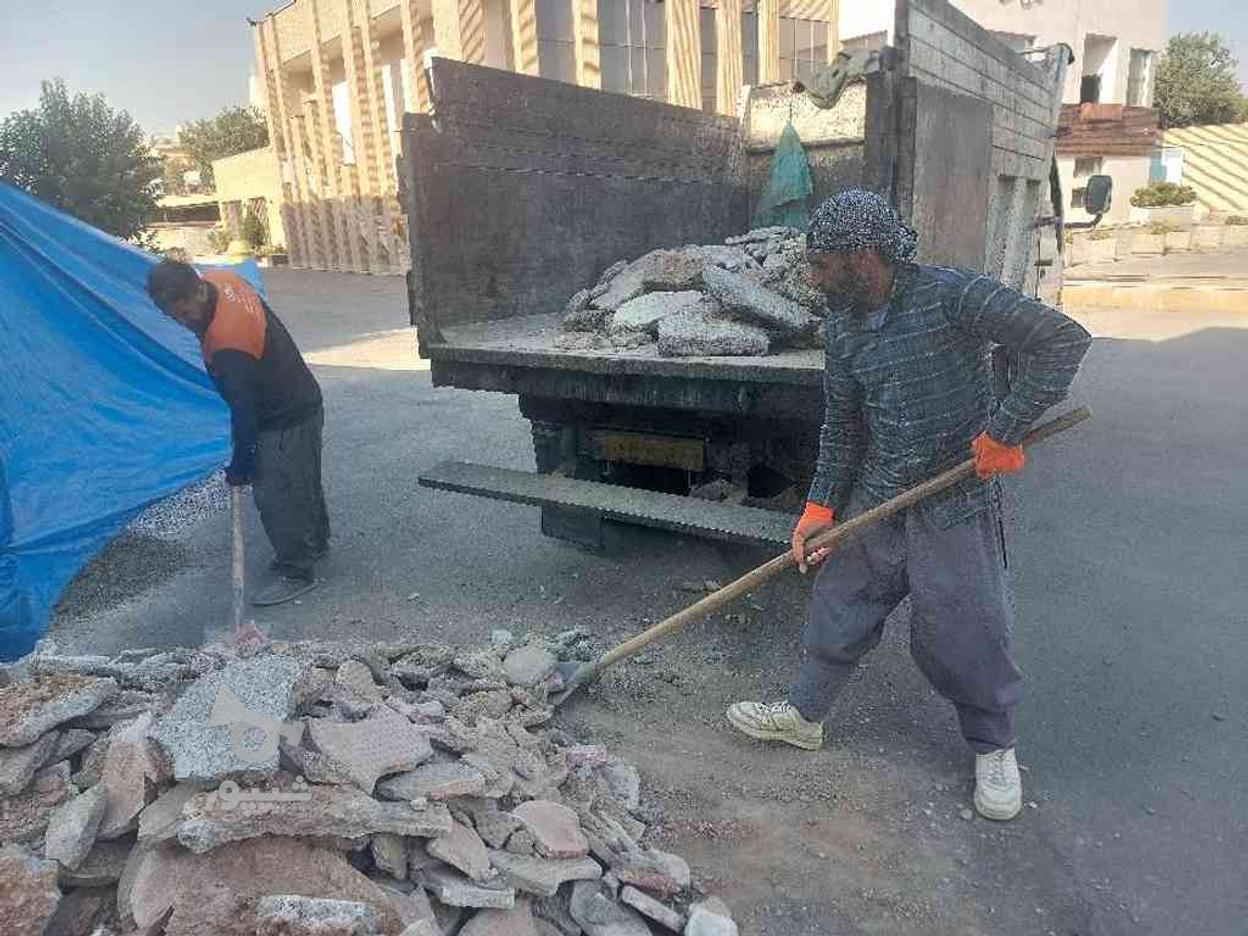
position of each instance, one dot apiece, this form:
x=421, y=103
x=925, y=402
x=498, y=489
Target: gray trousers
x=961, y=620
x=288, y=494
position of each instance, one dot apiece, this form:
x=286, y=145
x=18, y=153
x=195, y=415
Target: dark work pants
x=961, y=620
x=288, y=494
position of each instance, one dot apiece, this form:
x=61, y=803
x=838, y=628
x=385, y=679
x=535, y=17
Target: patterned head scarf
x=854, y=219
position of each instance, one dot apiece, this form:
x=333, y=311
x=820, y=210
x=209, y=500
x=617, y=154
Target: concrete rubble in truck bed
x=329, y=788
x=746, y=297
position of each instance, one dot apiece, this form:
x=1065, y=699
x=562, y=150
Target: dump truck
x=519, y=191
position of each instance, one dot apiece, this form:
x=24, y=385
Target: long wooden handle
x=237, y=572
x=756, y=577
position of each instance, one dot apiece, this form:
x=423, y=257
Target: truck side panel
x=834, y=139
x=953, y=133
x=944, y=50
x=521, y=191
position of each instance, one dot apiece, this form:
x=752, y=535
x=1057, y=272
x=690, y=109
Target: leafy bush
x=1161, y=194
x=1101, y=233
x=253, y=231
x=219, y=239
x=1160, y=227
x=1236, y=220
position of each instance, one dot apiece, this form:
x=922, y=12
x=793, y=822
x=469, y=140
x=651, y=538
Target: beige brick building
x=339, y=74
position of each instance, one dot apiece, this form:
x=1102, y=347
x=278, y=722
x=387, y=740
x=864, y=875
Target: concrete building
x=249, y=183
x=185, y=224
x=337, y=76
x=1116, y=46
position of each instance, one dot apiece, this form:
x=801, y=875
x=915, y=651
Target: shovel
x=576, y=675
x=245, y=632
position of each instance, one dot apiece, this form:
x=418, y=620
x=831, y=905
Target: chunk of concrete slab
x=750, y=299
x=438, y=781
x=455, y=890
x=704, y=331
x=463, y=849
x=518, y=921
x=19, y=764
x=529, y=665
x=72, y=828
x=101, y=868
x=647, y=906
x=30, y=894
x=643, y=314
x=296, y=915
x=134, y=768
x=210, y=820
x=383, y=743
x=543, y=876
x=228, y=723
x=710, y=918
x=29, y=710
x=555, y=829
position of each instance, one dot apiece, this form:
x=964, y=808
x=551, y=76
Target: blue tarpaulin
x=105, y=405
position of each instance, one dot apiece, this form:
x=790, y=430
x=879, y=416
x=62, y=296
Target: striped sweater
x=907, y=388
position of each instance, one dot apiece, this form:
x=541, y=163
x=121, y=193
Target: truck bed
x=529, y=341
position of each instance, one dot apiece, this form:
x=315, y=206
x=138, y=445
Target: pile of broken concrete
x=322, y=789
x=748, y=296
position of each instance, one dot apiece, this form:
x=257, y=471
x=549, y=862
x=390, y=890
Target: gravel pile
x=748, y=296
x=166, y=519
x=323, y=788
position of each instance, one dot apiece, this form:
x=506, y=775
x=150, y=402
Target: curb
x=1155, y=298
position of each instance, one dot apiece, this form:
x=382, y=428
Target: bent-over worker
x=908, y=390
x=276, y=415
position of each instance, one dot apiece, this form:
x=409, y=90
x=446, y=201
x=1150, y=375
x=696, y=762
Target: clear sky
x=165, y=61
x=173, y=61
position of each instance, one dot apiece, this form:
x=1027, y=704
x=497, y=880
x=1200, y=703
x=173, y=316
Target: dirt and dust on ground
x=872, y=834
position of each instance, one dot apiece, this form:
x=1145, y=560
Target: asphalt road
x=1129, y=544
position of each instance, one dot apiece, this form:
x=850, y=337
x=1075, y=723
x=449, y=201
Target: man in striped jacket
x=908, y=390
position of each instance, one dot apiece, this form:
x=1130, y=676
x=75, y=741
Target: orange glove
x=996, y=458
x=815, y=518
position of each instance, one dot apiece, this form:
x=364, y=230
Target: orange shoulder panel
x=238, y=324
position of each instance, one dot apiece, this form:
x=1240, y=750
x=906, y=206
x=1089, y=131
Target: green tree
x=78, y=154
x=235, y=130
x=1196, y=82
x=253, y=231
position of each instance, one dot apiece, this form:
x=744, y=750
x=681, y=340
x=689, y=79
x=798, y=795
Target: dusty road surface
x=1128, y=543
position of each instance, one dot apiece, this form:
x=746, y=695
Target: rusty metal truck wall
x=528, y=189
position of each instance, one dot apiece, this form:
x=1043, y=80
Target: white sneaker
x=998, y=789
x=776, y=721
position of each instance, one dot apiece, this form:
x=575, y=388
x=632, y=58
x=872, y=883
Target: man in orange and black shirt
x=275, y=412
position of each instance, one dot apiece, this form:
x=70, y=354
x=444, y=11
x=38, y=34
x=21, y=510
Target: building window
x=1087, y=166
x=710, y=59
x=749, y=47
x=341, y=97
x=1076, y=197
x=556, y=40
x=1139, y=78
x=631, y=39
x=867, y=43
x=803, y=48
x=1098, y=69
